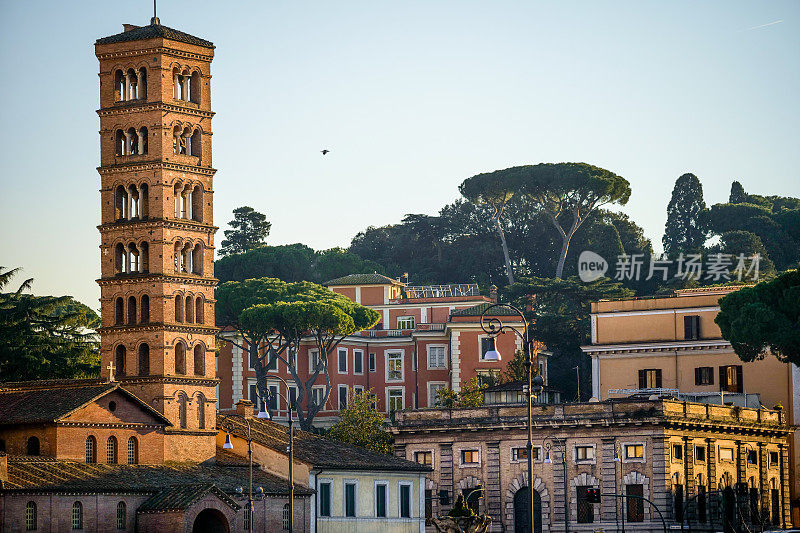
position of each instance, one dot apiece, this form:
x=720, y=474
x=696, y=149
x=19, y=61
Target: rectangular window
x=704, y=375
x=585, y=509
x=394, y=366
x=634, y=502
x=325, y=498
x=292, y=396
x=700, y=454
x=752, y=457
x=318, y=395
x=342, y=397
x=423, y=458
x=396, y=402
x=350, y=499
x=405, y=322
x=358, y=362
x=730, y=378
x=726, y=454
x=634, y=451
x=342, y=360
x=650, y=378
x=521, y=454
x=272, y=365
x=380, y=500
x=258, y=402
x=584, y=453
x=773, y=460
x=273, y=398
x=436, y=357
x=677, y=452
x=313, y=360
x=487, y=345
x=405, y=500
x=372, y=362
x=433, y=393
x=470, y=457
x=691, y=327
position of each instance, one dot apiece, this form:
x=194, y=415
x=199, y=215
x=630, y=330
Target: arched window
x=77, y=515
x=199, y=313
x=144, y=309
x=201, y=411
x=119, y=311
x=133, y=451
x=194, y=88
x=132, y=310
x=142, y=140
x=141, y=83
x=131, y=142
x=120, y=355
x=32, y=446
x=182, y=405
x=189, y=309
x=178, y=308
x=197, y=203
x=119, y=86
x=31, y=520
x=200, y=360
x=286, y=517
x=133, y=255
x=120, y=203
x=111, y=450
x=180, y=358
x=91, y=449
x=144, y=359
x=197, y=259
x=120, y=146
x=122, y=516
x=195, y=146
x=120, y=258
x=130, y=78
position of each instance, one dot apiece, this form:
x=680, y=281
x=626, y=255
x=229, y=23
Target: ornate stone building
x=718, y=467
x=157, y=233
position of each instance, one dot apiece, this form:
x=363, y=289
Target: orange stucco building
x=671, y=345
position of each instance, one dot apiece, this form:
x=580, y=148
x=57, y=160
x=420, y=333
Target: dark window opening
x=704, y=375
x=585, y=508
x=650, y=378
x=634, y=502
x=691, y=327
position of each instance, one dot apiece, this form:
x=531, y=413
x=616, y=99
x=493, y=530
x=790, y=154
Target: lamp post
x=228, y=446
x=547, y=460
x=493, y=326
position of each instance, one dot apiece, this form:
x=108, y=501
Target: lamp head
x=227, y=445
x=492, y=355
x=263, y=414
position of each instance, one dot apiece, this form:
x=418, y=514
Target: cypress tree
x=738, y=195
x=686, y=226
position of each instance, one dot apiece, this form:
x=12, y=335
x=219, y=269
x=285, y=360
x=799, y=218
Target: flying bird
x=325, y=152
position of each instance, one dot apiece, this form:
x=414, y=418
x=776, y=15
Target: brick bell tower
x=157, y=250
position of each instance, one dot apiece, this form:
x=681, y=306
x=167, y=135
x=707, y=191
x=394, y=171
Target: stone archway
x=210, y=521
x=637, y=478
x=540, y=493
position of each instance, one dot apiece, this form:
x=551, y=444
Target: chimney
x=3, y=470
x=129, y=27
x=493, y=293
x=244, y=408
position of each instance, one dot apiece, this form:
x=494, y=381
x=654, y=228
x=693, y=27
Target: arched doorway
x=522, y=505
x=210, y=521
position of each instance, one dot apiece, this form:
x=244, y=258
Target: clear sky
x=411, y=98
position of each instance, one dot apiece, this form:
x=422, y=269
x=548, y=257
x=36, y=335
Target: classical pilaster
x=493, y=489
x=610, y=479
x=662, y=485
x=446, y=472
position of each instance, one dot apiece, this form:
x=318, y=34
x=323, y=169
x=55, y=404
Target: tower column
x=176, y=86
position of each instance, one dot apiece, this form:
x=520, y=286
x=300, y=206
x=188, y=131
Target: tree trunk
x=562, y=259
x=509, y=272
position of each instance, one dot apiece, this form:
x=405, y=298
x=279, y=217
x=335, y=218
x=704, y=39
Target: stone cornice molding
x=165, y=50
x=120, y=425
x=160, y=326
x=177, y=223
x=172, y=380
x=139, y=106
x=154, y=165
x=162, y=278
x=657, y=347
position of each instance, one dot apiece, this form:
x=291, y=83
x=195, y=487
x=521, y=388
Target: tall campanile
x=157, y=250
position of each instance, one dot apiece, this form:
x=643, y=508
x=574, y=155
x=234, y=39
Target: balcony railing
x=442, y=291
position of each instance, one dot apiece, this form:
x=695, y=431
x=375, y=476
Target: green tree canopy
x=361, y=424
x=249, y=230
x=279, y=315
x=764, y=317
x=45, y=337
x=737, y=195
x=686, y=228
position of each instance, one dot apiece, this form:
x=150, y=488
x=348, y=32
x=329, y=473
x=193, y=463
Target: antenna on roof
x=154, y=21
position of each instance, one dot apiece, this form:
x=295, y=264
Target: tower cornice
x=127, y=279
x=154, y=165
x=181, y=224
x=165, y=50
x=138, y=106
x=191, y=329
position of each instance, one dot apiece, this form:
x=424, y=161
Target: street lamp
x=493, y=326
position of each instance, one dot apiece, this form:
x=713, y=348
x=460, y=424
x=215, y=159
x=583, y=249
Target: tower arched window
x=120, y=258
x=200, y=360
x=122, y=515
x=196, y=148
x=199, y=310
x=194, y=88
x=31, y=518
x=91, y=449
x=178, y=308
x=120, y=202
x=182, y=406
x=286, y=517
x=130, y=79
x=32, y=446
x=197, y=203
x=119, y=86
x=144, y=309
x=119, y=311
x=186, y=258
x=201, y=411
x=134, y=263
x=144, y=359
x=120, y=146
x=197, y=259
x=141, y=83
x=133, y=451
x=111, y=450
x=77, y=516
x=180, y=358
x=132, y=141
x=142, y=140
x=189, y=309
x=132, y=310
x=120, y=355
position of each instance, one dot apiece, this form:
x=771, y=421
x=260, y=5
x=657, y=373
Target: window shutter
x=696, y=326
x=723, y=378
x=642, y=380
x=697, y=377
x=658, y=378
x=739, y=379
x=687, y=327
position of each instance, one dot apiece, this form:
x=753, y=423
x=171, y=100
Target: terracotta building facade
x=428, y=338
x=712, y=467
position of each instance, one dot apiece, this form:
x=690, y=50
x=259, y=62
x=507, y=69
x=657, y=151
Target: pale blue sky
x=411, y=97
